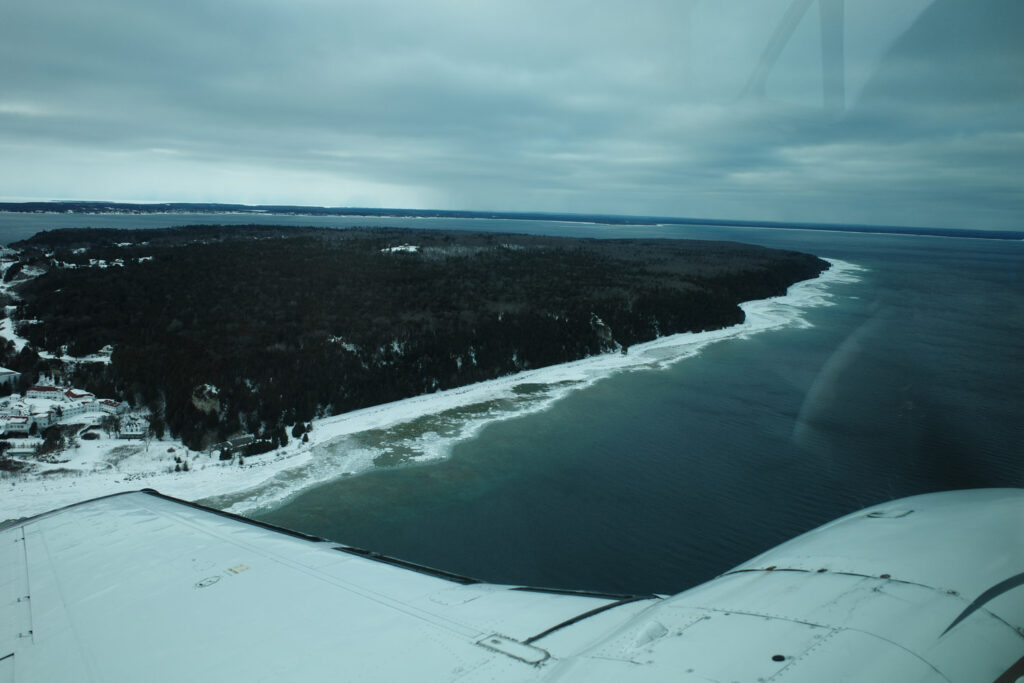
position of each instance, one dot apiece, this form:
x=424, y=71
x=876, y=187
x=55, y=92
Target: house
x=133, y=428
x=19, y=417
x=14, y=407
x=109, y=405
x=44, y=417
x=79, y=395
x=75, y=408
x=17, y=424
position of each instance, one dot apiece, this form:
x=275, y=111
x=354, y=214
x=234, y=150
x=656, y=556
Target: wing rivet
x=886, y=576
x=778, y=658
x=822, y=570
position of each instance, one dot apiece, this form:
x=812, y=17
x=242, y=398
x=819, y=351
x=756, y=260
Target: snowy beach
x=417, y=429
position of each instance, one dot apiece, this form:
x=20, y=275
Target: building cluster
x=133, y=427
x=46, y=405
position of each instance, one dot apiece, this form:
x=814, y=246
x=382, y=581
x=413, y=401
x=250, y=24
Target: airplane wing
x=140, y=586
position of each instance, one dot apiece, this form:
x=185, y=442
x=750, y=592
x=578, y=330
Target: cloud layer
x=580, y=105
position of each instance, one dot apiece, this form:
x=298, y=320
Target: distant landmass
x=102, y=207
x=251, y=329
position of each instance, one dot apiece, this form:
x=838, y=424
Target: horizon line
x=110, y=206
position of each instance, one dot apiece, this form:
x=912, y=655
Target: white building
x=13, y=406
x=79, y=395
x=133, y=428
x=16, y=424
x=47, y=392
x=111, y=406
x=76, y=408
x=44, y=417
x=45, y=405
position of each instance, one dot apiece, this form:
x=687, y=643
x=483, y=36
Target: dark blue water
x=657, y=480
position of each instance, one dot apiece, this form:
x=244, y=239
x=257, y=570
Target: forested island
x=259, y=329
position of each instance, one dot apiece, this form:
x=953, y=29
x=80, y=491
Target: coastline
x=427, y=425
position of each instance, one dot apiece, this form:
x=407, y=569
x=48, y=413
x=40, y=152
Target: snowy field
x=425, y=427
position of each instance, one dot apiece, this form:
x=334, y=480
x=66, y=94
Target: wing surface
x=139, y=585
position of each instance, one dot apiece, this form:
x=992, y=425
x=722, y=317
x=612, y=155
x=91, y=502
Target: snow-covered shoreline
x=271, y=478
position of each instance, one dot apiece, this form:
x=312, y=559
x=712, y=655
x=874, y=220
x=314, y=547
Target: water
x=655, y=480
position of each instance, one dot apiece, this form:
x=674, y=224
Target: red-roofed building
x=52, y=393
x=78, y=394
x=113, y=407
x=17, y=425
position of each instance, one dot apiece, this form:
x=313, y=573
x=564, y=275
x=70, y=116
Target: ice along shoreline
x=420, y=429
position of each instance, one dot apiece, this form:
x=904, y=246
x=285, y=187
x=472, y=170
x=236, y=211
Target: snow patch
x=340, y=341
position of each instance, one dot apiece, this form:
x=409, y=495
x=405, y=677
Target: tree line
x=290, y=324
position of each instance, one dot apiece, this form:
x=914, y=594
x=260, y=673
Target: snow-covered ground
x=103, y=467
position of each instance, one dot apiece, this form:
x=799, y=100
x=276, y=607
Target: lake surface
x=655, y=480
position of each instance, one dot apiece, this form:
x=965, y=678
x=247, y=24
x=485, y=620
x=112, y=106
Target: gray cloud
x=577, y=106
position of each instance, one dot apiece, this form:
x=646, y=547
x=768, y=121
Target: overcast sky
x=654, y=107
